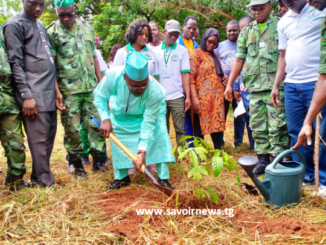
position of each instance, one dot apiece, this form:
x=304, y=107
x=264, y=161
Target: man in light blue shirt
x=226, y=51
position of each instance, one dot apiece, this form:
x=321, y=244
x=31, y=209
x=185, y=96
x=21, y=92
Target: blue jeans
x=251, y=139
x=297, y=101
x=239, y=123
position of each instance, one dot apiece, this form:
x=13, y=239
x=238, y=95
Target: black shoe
x=165, y=183
x=98, y=165
x=17, y=183
x=117, y=184
x=288, y=158
x=264, y=161
x=85, y=160
x=7, y=181
x=80, y=174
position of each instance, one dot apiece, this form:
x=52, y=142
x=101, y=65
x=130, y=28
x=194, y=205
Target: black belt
x=5, y=78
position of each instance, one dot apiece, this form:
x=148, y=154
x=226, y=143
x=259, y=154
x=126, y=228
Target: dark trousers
x=176, y=108
x=217, y=137
x=40, y=136
x=239, y=123
x=251, y=139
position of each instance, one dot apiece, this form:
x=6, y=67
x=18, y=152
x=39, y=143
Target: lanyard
x=167, y=57
x=45, y=44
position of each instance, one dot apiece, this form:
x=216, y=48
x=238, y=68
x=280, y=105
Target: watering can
x=283, y=180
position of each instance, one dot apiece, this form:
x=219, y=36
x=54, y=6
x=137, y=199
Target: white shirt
x=171, y=71
x=102, y=63
x=155, y=49
x=299, y=35
x=121, y=56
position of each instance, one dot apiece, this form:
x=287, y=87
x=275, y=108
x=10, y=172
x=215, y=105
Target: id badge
x=166, y=73
x=79, y=45
x=262, y=45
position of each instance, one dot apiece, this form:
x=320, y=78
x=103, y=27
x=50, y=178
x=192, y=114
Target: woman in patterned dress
x=207, y=90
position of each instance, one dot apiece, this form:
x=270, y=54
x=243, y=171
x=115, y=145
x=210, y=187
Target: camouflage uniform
x=76, y=79
x=260, y=49
x=11, y=135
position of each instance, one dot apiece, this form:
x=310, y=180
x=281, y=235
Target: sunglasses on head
x=211, y=42
x=69, y=15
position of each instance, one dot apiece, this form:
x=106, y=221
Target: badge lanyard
x=166, y=73
x=45, y=44
x=167, y=56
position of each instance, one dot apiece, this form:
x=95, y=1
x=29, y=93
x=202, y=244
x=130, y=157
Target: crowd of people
x=268, y=65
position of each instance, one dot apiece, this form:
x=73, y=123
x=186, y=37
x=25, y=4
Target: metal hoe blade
x=163, y=189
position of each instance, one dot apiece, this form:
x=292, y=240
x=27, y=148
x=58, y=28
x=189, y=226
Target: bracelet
x=141, y=151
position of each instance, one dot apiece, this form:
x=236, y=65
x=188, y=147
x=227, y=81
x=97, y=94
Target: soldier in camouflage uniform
x=258, y=44
x=11, y=135
x=73, y=48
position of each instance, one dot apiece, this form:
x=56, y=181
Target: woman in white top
x=138, y=34
x=156, y=44
x=113, y=53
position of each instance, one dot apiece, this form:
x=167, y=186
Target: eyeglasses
x=136, y=88
x=69, y=15
x=211, y=42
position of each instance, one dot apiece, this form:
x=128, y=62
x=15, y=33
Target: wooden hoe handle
x=126, y=150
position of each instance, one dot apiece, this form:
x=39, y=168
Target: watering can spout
x=248, y=163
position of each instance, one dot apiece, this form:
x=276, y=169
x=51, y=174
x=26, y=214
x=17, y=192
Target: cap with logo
x=136, y=66
x=257, y=2
x=172, y=26
x=63, y=3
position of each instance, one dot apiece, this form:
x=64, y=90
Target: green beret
x=63, y=3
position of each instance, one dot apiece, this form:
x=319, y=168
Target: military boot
x=264, y=161
x=17, y=183
x=79, y=169
x=98, y=165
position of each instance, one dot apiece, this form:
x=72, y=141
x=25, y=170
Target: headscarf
x=209, y=33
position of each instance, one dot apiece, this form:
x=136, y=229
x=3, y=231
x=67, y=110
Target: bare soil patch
x=123, y=204
x=250, y=224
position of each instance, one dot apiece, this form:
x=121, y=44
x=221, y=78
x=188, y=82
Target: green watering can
x=283, y=180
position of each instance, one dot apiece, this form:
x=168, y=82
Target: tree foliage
x=8, y=8
x=111, y=18
x=113, y=21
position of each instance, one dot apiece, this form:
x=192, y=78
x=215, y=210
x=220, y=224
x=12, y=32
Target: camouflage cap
x=63, y=3
x=257, y=2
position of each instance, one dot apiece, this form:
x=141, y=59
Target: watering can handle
x=287, y=152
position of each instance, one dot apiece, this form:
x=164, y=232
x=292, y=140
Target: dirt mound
x=186, y=199
x=251, y=223
x=125, y=203
x=120, y=206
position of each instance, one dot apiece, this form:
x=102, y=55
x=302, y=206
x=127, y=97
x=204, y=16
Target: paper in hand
x=239, y=110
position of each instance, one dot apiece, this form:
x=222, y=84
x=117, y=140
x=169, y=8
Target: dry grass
x=70, y=215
